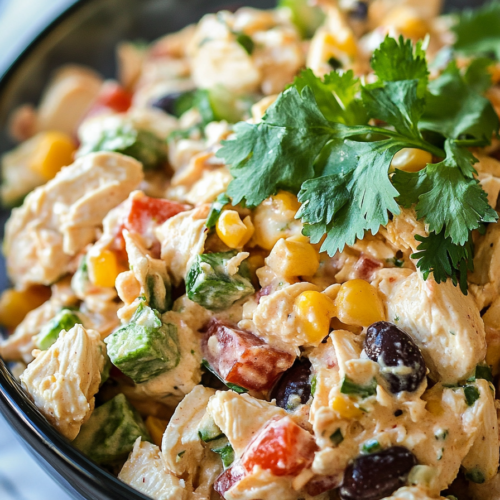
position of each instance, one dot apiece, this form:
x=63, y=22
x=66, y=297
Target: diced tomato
x=241, y=358
x=366, y=266
x=228, y=479
x=282, y=447
x=113, y=97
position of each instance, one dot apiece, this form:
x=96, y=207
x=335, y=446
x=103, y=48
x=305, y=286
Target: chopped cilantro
x=478, y=31
x=313, y=385
x=482, y=372
x=216, y=209
x=471, y=394
x=336, y=438
x=246, y=42
x=364, y=391
x=371, y=446
x=315, y=141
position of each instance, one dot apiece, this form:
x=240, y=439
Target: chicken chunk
x=64, y=379
x=59, y=219
x=444, y=323
x=240, y=416
x=145, y=471
x=412, y=493
x=182, y=238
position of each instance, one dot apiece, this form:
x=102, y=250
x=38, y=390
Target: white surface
x=20, y=20
x=21, y=478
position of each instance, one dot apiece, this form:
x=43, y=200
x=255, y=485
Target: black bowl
x=86, y=33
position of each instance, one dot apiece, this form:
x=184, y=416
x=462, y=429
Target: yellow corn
x=287, y=201
x=345, y=407
x=156, y=428
x=314, y=311
x=54, y=151
x=358, y=303
x=342, y=40
x=293, y=258
x=406, y=22
x=15, y=305
x=411, y=160
x=233, y=231
x=104, y=268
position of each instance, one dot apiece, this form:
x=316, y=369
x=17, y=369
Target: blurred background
x=20, y=476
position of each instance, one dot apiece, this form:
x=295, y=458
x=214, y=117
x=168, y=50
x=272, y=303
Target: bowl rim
x=15, y=405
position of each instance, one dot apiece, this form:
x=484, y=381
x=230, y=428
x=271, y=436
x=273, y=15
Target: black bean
x=359, y=11
x=378, y=475
x=386, y=344
x=168, y=103
x=294, y=385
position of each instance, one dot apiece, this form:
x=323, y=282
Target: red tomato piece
x=145, y=211
x=228, y=479
x=282, y=447
x=241, y=358
x=114, y=97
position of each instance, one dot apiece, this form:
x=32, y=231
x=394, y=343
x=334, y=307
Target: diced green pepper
x=475, y=476
x=160, y=293
x=484, y=372
x=246, y=42
x=306, y=17
x=110, y=433
x=226, y=454
x=145, y=347
x=208, y=429
x=233, y=387
x=64, y=320
x=123, y=138
x=209, y=284
x=364, y=391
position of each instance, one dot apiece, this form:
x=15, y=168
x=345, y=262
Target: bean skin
x=296, y=381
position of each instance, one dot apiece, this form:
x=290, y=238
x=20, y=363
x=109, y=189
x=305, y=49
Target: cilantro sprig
x=332, y=141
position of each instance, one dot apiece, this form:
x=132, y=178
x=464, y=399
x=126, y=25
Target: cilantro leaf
x=393, y=62
x=353, y=195
x=447, y=194
x=397, y=104
x=279, y=152
x=438, y=255
x=478, y=76
x=335, y=96
x=478, y=31
x=455, y=110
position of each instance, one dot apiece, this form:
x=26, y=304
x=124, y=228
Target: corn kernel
x=293, y=258
x=345, y=407
x=411, y=160
x=104, y=268
x=435, y=407
x=15, y=305
x=233, y=231
x=314, y=311
x=358, y=303
x=156, y=428
x=287, y=200
x=344, y=41
x=407, y=23
x=54, y=151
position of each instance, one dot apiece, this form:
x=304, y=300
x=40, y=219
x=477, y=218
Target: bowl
x=86, y=33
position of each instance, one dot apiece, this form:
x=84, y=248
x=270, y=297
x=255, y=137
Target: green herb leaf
x=441, y=257
x=471, y=394
x=478, y=76
x=474, y=117
x=246, y=42
x=336, y=438
x=484, y=372
x=279, y=152
x=447, y=194
x=371, y=446
x=394, y=61
x=478, y=31
x=351, y=388
x=216, y=209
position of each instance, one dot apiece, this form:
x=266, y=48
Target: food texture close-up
x=263, y=261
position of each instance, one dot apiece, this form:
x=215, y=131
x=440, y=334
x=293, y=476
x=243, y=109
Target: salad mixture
x=264, y=262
